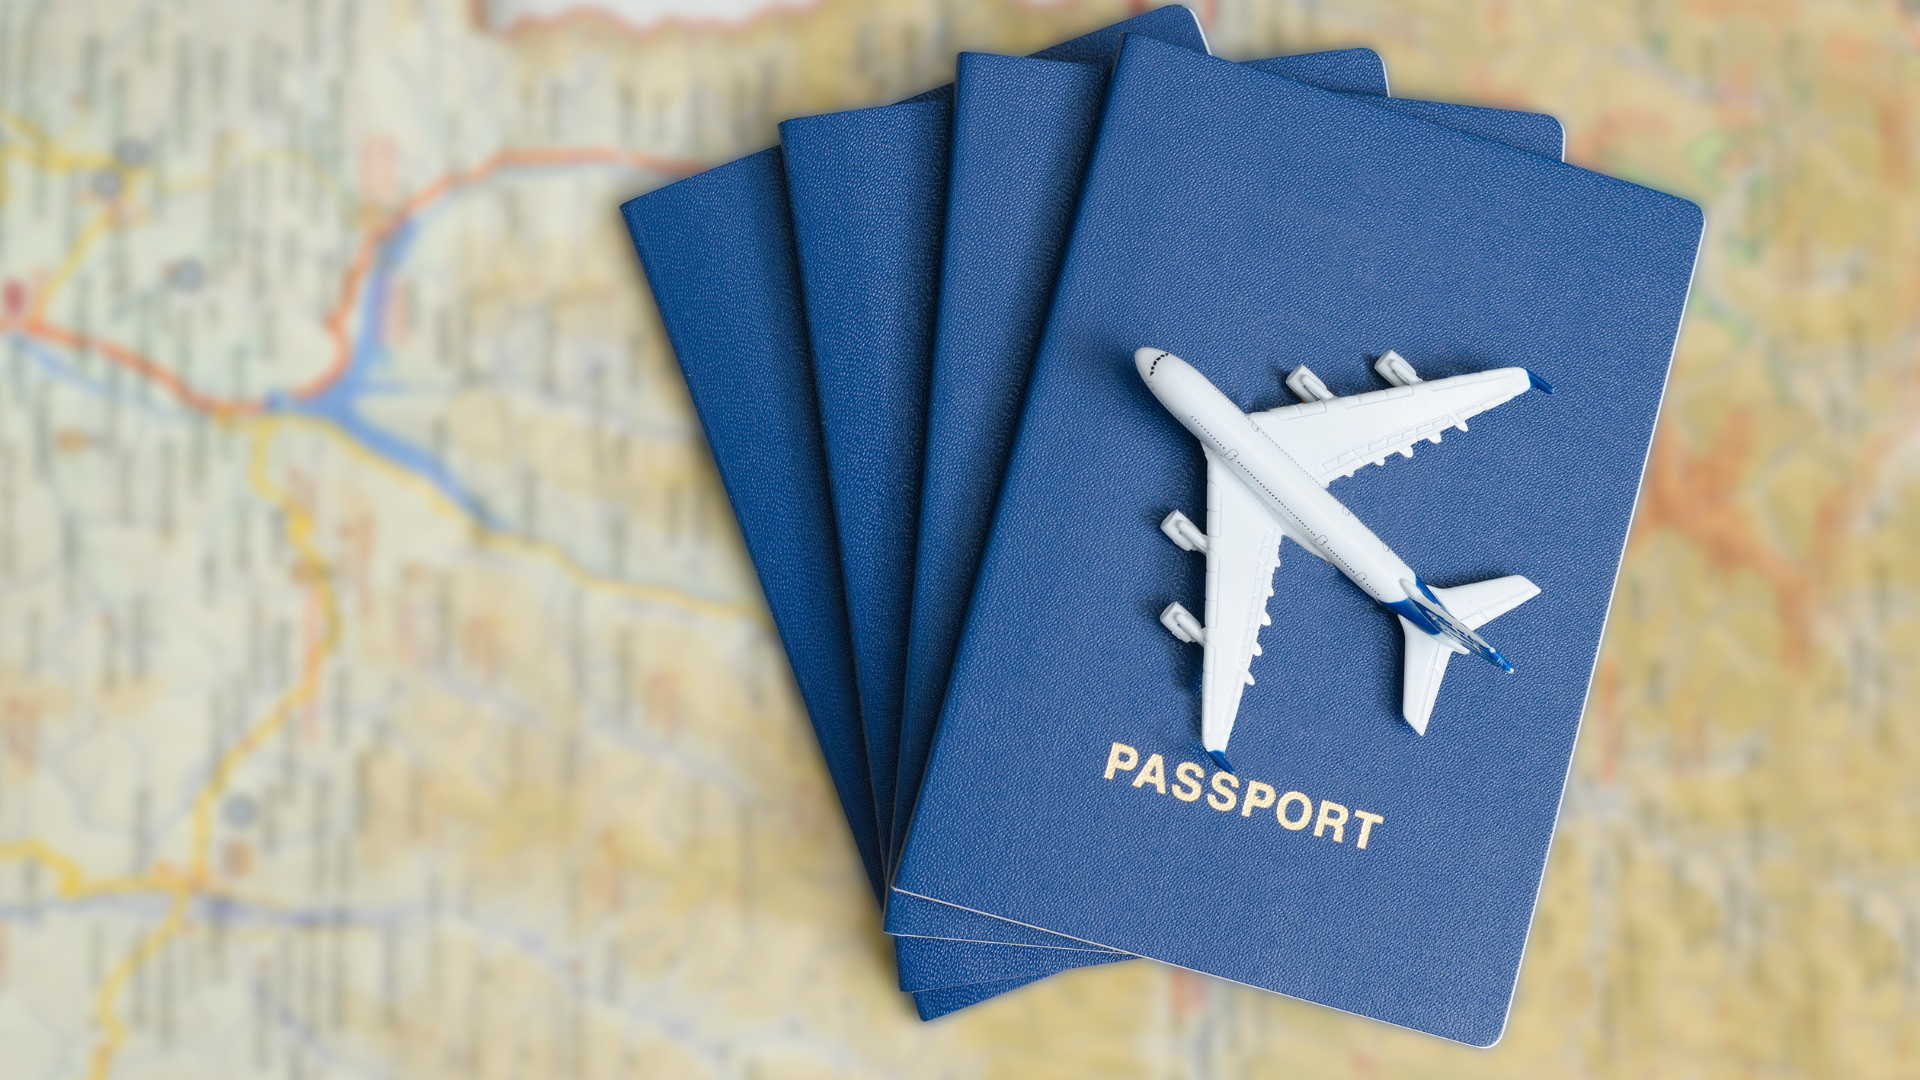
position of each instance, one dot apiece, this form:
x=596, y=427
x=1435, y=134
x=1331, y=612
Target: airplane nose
x=1143, y=361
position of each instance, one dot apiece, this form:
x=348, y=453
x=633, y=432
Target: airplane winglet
x=1539, y=383
x=1220, y=759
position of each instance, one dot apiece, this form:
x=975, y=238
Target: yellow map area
x=384, y=690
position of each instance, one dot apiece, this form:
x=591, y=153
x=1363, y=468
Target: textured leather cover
x=1247, y=224
x=1536, y=133
x=1022, y=131
x=931, y=963
x=1347, y=71
x=934, y=1004
x=718, y=251
x=868, y=189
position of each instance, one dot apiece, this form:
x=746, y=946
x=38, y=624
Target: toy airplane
x=1267, y=475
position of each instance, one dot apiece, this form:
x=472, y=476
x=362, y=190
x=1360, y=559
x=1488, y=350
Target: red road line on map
x=138, y=363
x=370, y=247
x=148, y=368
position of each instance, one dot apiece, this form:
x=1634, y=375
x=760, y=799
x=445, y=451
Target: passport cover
x=937, y=963
x=717, y=249
x=1248, y=224
x=1022, y=131
x=934, y=1004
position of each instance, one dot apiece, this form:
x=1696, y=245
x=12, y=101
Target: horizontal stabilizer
x=1427, y=654
x=1426, y=665
x=1484, y=601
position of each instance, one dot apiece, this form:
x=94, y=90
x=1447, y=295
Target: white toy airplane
x=1267, y=475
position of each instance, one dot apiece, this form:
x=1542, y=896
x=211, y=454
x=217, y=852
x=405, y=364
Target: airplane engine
x=1182, y=531
x=1394, y=368
x=1307, y=386
x=1181, y=624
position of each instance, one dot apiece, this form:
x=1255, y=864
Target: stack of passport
x=910, y=334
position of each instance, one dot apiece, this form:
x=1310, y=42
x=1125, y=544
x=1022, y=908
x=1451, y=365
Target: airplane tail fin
x=1427, y=654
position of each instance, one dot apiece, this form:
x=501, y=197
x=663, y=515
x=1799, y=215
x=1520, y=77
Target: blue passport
x=718, y=252
x=1022, y=131
x=1249, y=224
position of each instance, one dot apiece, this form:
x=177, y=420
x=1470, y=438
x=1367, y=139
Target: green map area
x=385, y=692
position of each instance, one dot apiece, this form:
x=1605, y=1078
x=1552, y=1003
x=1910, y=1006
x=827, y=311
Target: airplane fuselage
x=1309, y=515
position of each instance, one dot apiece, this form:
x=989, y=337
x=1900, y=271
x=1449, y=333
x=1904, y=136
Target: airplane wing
x=1335, y=438
x=1243, y=551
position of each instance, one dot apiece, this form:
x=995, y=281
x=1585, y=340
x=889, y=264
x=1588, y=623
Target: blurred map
x=384, y=691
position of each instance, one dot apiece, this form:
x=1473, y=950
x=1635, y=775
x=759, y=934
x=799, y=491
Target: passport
x=717, y=249
x=1249, y=224
x=1022, y=131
